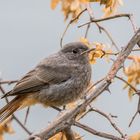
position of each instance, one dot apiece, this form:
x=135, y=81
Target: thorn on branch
x=34, y=138
x=113, y=116
x=56, y=108
x=107, y=89
x=138, y=44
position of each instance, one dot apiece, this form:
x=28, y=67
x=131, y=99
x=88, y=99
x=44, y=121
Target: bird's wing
x=39, y=77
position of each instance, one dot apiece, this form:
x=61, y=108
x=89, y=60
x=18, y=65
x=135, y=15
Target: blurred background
x=30, y=31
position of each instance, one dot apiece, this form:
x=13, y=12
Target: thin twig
x=97, y=82
x=111, y=53
x=109, y=36
x=26, y=116
x=133, y=23
x=131, y=18
x=87, y=30
x=132, y=87
x=101, y=28
x=133, y=118
x=71, y=21
x=135, y=50
x=104, y=19
x=17, y=120
x=56, y=108
x=91, y=15
x=8, y=82
x=137, y=112
x=89, y=9
x=109, y=118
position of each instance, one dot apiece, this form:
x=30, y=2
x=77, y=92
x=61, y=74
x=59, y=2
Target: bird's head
x=77, y=51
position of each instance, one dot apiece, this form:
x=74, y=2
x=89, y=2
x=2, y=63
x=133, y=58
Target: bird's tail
x=10, y=108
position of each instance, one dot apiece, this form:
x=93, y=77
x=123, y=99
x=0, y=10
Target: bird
x=57, y=80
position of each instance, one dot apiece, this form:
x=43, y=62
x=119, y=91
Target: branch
x=68, y=117
x=109, y=118
x=97, y=133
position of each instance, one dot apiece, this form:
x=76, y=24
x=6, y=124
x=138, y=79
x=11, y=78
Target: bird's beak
x=88, y=51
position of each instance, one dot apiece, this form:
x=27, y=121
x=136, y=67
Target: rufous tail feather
x=10, y=108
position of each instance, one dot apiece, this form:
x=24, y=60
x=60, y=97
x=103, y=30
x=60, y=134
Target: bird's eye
x=75, y=51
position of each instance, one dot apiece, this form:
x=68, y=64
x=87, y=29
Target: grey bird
x=57, y=80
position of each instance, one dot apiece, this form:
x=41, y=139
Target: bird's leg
x=64, y=107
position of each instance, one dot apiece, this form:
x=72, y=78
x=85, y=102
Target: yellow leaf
x=61, y=136
x=111, y=7
x=89, y=1
x=133, y=74
x=54, y=3
x=135, y=136
x=99, y=51
x=85, y=41
x=74, y=5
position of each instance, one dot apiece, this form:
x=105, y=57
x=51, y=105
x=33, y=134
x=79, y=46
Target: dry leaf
x=69, y=7
x=54, y=3
x=61, y=136
x=111, y=7
x=6, y=127
x=135, y=136
x=133, y=73
x=74, y=7
x=99, y=51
